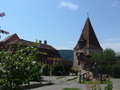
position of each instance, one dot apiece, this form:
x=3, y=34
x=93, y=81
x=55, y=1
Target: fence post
x=80, y=77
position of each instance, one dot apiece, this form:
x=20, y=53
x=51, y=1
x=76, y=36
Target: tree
x=105, y=55
x=18, y=67
x=2, y=31
x=2, y=14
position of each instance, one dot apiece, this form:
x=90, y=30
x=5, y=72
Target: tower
x=86, y=46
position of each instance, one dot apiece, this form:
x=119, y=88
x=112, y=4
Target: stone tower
x=85, y=47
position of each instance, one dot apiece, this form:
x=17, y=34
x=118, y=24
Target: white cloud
x=115, y=3
x=114, y=46
x=114, y=39
x=68, y=4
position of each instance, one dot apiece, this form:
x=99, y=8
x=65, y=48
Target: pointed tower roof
x=88, y=39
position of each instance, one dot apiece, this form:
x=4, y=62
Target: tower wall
x=76, y=65
x=82, y=62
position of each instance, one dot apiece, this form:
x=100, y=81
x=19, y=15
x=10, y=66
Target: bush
x=109, y=86
x=58, y=69
x=45, y=70
x=73, y=70
x=108, y=69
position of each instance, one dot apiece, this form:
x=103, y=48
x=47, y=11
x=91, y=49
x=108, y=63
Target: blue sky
x=60, y=21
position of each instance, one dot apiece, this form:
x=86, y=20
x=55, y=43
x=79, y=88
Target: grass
x=73, y=79
x=71, y=89
x=67, y=80
x=90, y=82
x=59, y=78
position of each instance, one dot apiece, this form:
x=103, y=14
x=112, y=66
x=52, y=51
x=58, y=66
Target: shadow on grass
x=36, y=85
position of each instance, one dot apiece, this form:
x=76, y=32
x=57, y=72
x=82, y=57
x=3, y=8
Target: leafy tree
x=18, y=67
x=2, y=31
x=118, y=54
x=105, y=55
x=2, y=14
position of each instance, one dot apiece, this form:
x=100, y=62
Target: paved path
x=59, y=85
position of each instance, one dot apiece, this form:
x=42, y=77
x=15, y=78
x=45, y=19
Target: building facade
x=87, y=44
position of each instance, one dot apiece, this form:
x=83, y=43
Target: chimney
x=40, y=41
x=45, y=42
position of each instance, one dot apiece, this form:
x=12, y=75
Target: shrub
x=57, y=69
x=108, y=69
x=73, y=70
x=109, y=86
x=45, y=70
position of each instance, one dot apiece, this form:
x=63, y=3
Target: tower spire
x=87, y=15
x=90, y=40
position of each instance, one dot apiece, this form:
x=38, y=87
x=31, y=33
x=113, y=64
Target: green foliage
x=45, y=70
x=59, y=78
x=73, y=70
x=108, y=69
x=105, y=55
x=19, y=67
x=109, y=86
x=57, y=69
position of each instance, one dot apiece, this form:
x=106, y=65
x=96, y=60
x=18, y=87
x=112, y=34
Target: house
x=51, y=52
x=87, y=44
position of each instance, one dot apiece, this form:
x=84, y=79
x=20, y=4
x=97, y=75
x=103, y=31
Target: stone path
x=60, y=84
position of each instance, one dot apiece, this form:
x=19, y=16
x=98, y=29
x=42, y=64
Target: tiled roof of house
x=88, y=39
x=29, y=43
x=52, y=53
x=10, y=38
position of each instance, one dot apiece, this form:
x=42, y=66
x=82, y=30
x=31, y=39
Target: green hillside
x=66, y=54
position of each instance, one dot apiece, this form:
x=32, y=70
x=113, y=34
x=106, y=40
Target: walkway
x=59, y=84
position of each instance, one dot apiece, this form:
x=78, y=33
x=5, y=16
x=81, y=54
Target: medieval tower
x=86, y=46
